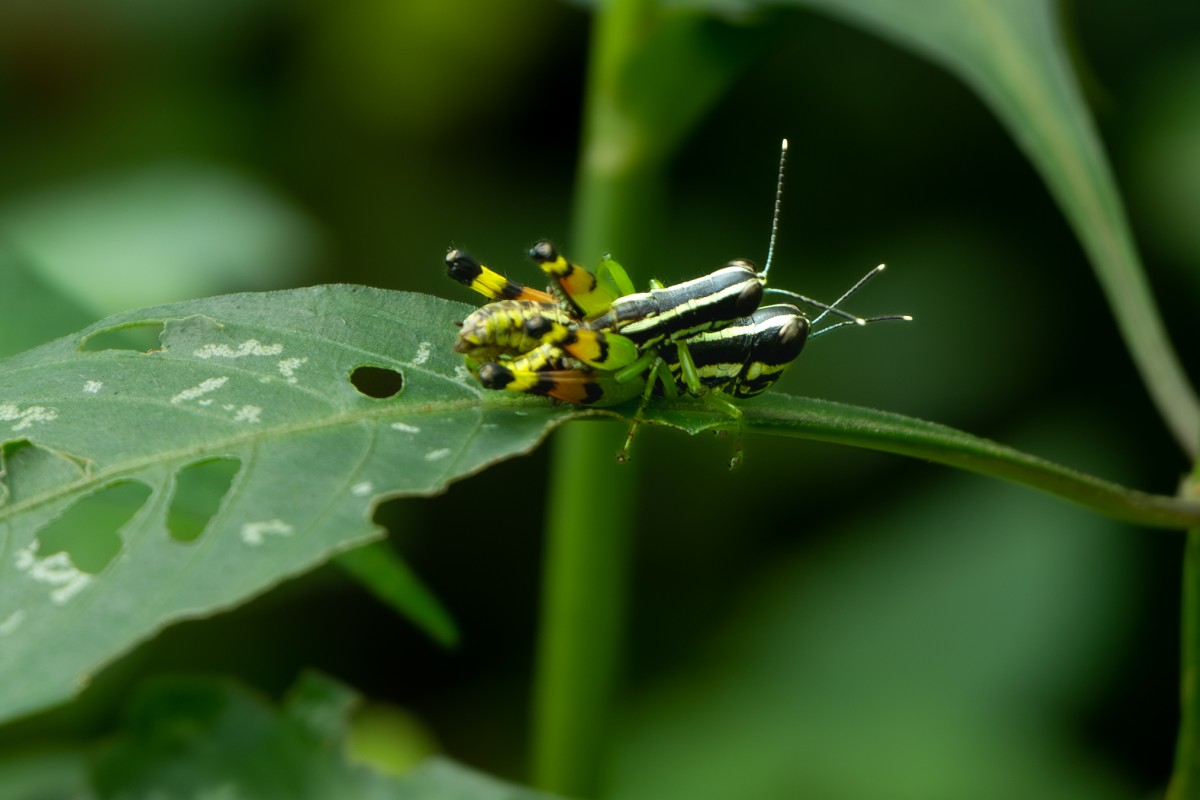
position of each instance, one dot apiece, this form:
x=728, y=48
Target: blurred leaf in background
x=161, y=233
x=904, y=658
x=820, y=597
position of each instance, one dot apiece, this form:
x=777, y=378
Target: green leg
x=691, y=377
x=637, y=368
x=723, y=403
x=658, y=372
x=687, y=369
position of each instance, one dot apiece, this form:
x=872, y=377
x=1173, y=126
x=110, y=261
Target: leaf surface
x=1012, y=54
x=101, y=546
x=259, y=381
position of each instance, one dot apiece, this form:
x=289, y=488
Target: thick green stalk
x=589, y=525
x=591, y=497
x=1185, y=779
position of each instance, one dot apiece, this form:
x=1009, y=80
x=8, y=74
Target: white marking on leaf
x=423, y=351
x=462, y=373
x=362, y=489
x=205, y=402
x=404, y=427
x=206, y=386
x=56, y=570
x=434, y=455
x=25, y=417
x=12, y=622
x=93, y=387
x=248, y=414
x=250, y=347
x=288, y=367
x=254, y=533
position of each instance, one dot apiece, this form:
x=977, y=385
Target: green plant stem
x=1185, y=778
x=591, y=497
x=634, y=119
x=588, y=533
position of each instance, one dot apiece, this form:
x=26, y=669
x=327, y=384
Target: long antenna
x=884, y=318
x=825, y=309
x=833, y=307
x=858, y=285
x=775, y=218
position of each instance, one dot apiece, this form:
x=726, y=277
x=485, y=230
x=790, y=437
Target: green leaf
x=262, y=381
x=386, y=576
x=826, y=421
x=107, y=533
x=1012, y=54
x=145, y=235
x=33, y=311
x=202, y=737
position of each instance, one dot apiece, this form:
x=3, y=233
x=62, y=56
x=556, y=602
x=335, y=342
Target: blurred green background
x=823, y=622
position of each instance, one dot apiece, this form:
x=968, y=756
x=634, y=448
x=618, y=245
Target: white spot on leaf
x=362, y=489
x=423, y=351
x=462, y=373
x=250, y=347
x=206, y=386
x=288, y=367
x=93, y=387
x=404, y=427
x=434, y=455
x=56, y=570
x=25, y=417
x=248, y=414
x=254, y=533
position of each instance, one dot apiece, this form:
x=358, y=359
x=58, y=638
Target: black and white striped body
x=745, y=358
x=677, y=312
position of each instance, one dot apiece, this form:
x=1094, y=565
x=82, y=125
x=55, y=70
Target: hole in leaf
x=140, y=336
x=27, y=469
x=87, y=531
x=378, y=382
x=199, y=490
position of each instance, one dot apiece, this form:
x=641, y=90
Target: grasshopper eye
x=749, y=299
x=793, y=334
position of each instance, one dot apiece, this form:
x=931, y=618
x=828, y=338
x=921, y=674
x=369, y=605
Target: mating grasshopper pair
x=594, y=340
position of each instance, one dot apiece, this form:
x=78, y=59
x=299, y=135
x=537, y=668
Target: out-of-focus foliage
x=362, y=139
x=204, y=737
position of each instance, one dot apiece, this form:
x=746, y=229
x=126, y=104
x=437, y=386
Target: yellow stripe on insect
x=500, y=328
x=463, y=268
x=579, y=288
x=608, y=351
